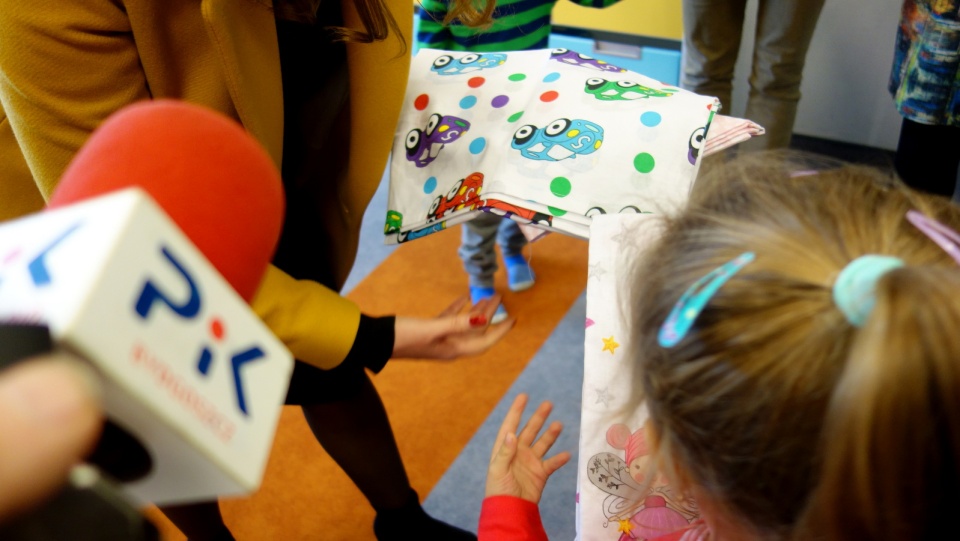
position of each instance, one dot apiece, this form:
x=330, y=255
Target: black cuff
x=373, y=346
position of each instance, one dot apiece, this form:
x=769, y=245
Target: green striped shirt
x=518, y=25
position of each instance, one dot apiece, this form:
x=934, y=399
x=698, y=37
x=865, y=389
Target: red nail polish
x=478, y=320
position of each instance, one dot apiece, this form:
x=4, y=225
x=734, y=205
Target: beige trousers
x=711, y=41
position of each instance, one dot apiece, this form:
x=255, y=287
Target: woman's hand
x=451, y=334
x=517, y=467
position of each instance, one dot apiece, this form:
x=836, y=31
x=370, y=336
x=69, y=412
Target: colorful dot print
x=421, y=102
x=650, y=119
x=477, y=145
x=643, y=162
x=561, y=142
x=560, y=186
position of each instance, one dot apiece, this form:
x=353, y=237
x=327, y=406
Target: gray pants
x=711, y=40
x=476, y=246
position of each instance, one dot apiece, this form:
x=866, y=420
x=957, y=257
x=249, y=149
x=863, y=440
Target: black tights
x=356, y=433
x=928, y=157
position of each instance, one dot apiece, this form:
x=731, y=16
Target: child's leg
x=480, y=259
x=512, y=241
x=476, y=249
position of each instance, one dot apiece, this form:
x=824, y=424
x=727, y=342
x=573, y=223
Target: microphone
x=210, y=176
x=160, y=229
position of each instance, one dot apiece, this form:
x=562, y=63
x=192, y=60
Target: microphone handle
x=21, y=341
x=90, y=507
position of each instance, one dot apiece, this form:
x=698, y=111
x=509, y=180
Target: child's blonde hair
x=774, y=406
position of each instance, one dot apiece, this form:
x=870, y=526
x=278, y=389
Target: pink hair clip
x=946, y=238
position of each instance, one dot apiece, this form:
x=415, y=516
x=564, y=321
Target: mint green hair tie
x=855, y=287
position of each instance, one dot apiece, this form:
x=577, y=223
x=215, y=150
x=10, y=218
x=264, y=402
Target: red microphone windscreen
x=209, y=175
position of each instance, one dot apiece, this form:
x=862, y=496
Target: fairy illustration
x=643, y=507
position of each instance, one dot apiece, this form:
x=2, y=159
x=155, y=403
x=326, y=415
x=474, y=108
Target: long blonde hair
x=791, y=419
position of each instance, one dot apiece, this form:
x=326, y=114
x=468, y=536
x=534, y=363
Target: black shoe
x=412, y=522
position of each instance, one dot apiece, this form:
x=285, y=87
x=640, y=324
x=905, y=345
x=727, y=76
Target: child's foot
x=478, y=294
x=519, y=273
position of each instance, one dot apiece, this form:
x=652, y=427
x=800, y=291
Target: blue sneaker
x=478, y=293
x=519, y=273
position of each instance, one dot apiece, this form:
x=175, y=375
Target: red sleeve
x=506, y=518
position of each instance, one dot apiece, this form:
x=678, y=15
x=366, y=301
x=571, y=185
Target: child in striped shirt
x=517, y=25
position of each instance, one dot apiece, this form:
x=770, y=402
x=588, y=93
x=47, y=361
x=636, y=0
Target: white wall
x=845, y=80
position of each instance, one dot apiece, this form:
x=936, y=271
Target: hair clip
x=946, y=238
x=694, y=299
x=854, y=290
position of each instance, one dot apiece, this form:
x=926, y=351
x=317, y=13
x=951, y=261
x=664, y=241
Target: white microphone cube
x=187, y=368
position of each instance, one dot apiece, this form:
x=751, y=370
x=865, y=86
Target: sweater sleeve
x=317, y=325
x=507, y=518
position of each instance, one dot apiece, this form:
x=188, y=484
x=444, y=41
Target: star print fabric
x=616, y=498
x=548, y=138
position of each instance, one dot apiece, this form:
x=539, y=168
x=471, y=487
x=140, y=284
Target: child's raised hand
x=517, y=467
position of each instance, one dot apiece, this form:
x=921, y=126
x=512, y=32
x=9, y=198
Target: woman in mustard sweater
x=292, y=72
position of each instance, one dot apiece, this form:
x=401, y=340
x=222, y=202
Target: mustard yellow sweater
x=65, y=65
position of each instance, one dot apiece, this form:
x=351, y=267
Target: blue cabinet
x=656, y=58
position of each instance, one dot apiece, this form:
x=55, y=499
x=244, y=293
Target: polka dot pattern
x=478, y=145
x=560, y=186
x=650, y=119
x=494, y=101
x=421, y=102
x=644, y=162
x=549, y=96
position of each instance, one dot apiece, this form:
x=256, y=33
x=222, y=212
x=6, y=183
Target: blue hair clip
x=694, y=299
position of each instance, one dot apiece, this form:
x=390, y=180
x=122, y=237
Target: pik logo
x=152, y=296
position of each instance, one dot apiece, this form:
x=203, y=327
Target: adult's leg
x=356, y=432
x=476, y=249
x=928, y=157
x=711, y=41
x=784, y=31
